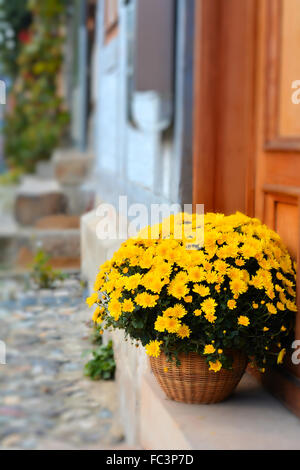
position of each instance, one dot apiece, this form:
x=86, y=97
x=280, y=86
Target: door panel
x=277, y=186
x=289, y=116
x=280, y=40
x=247, y=129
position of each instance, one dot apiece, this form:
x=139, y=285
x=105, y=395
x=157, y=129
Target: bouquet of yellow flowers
x=236, y=291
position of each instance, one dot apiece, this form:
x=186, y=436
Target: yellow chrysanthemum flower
x=160, y=324
x=212, y=277
x=271, y=308
x=280, y=306
x=231, y=304
x=163, y=269
x=209, y=305
x=243, y=320
x=201, y=290
x=133, y=281
x=127, y=305
x=239, y=262
x=146, y=300
x=196, y=274
x=153, y=348
x=281, y=356
x=178, y=311
x=209, y=349
x=221, y=267
x=291, y=306
x=168, y=312
x=92, y=299
x=215, y=366
x=238, y=286
x=115, y=309
x=97, y=313
x=178, y=290
x=210, y=317
x=183, y=331
x=197, y=312
x=172, y=324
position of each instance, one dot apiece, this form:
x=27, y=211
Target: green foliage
x=96, y=336
x=15, y=19
x=102, y=365
x=42, y=272
x=39, y=120
x=11, y=177
x=48, y=9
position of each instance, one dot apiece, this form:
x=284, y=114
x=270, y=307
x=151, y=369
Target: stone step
x=71, y=167
x=59, y=221
x=18, y=245
x=36, y=198
x=62, y=245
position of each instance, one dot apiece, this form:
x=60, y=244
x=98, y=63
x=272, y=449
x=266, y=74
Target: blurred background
x=88, y=91
x=91, y=88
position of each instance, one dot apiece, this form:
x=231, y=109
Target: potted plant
x=201, y=312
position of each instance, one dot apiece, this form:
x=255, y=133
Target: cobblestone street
x=46, y=402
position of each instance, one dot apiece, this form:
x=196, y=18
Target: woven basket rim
x=193, y=382
x=233, y=352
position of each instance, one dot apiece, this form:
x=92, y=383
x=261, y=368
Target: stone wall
x=131, y=361
x=132, y=364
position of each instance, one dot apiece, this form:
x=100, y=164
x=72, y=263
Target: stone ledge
x=251, y=419
x=18, y=244
x=94, y=251
x=38, y=198
x=71, y=167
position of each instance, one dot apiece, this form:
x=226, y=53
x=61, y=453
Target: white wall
x=132, y=154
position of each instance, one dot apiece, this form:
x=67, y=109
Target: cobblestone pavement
x=45, y=400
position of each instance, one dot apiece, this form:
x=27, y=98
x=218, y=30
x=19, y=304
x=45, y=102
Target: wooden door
x=277, y=185
x=247, y=127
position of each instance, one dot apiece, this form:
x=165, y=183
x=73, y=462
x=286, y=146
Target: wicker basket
x=193, y=382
